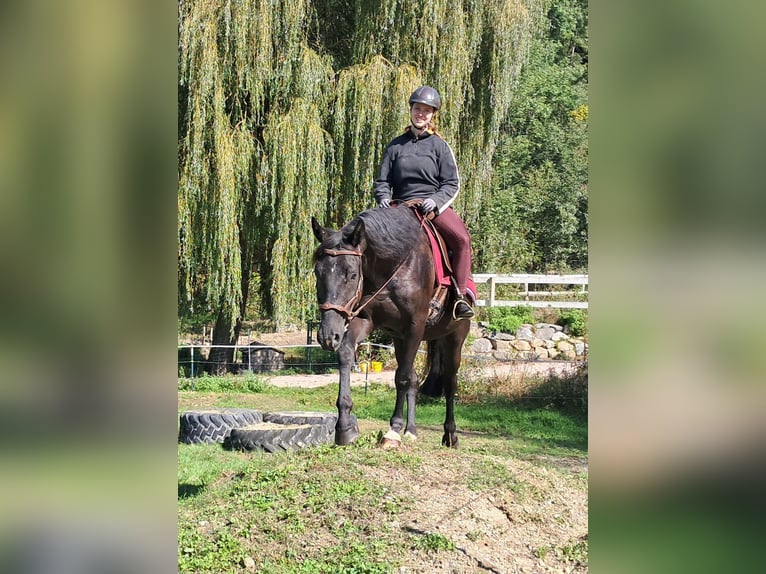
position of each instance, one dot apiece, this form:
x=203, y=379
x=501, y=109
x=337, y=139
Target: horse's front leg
x=406, y=381
x=346, y=427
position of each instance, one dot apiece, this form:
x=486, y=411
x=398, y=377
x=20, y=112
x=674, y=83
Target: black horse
x=378, y=272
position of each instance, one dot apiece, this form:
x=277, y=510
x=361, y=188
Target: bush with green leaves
x=576, y=320
x=248, y=383
x=507, y=319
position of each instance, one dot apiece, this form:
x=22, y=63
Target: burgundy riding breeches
x=458, y=241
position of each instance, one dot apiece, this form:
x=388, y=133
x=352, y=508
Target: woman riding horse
x=419, y=164
x=378, y=272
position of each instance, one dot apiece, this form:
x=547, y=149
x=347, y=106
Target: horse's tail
x=433, y=386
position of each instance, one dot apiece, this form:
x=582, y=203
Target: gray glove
x=427, y=206
x=385, y=202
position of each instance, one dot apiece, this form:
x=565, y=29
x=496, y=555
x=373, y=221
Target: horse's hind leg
x=406, y=381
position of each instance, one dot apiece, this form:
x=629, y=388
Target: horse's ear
x=319, y=232
x=355, y=235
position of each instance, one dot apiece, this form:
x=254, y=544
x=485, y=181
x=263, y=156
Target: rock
x=541, y=353
x=525, y=333
x=521, y=345
x=502, y=356
x=565, y=346
x=579, y=347
x=248, y=563
x=505, y=337
x=545, y=332
x=558, y=336
x=537, y=343
x=482, y=346
x=500, y=345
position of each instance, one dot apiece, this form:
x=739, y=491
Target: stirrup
x=464, y=314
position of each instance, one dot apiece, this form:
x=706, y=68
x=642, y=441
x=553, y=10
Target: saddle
x=442, y=265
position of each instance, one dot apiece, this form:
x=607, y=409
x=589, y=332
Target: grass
x=347, y=510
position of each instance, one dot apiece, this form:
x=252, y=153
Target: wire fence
x=257, y=358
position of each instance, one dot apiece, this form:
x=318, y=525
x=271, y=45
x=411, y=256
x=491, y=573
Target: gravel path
x=517, y=368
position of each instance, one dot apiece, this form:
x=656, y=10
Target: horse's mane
x=391, y=233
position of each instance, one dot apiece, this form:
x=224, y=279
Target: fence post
x=192, y=361
x=491, y=292
x=367, y=370
x=309, y=341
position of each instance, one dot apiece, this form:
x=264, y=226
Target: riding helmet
x=426, y=95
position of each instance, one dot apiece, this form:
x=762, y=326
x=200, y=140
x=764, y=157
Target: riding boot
x=462, y=309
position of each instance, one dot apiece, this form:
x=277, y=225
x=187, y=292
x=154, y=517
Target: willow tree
x=252, y=157
x=275, y=126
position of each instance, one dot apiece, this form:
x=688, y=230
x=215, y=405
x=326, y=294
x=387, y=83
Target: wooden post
x=491, y=292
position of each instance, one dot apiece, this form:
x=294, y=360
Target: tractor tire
x=276, y=437
x=283, y=431
x=213, y=426
x=301, y=418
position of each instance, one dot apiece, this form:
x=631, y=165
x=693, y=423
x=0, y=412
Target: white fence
x=532, y=297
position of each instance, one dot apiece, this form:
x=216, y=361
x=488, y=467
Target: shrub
x=576, y=320
x=249, y=383
x=508, y=319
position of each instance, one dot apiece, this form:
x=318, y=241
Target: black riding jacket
x=418, y=168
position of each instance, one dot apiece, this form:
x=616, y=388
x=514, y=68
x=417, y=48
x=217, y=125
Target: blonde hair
x=431, y=128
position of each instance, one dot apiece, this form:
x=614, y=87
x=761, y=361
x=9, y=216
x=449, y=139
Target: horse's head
x=338, y=271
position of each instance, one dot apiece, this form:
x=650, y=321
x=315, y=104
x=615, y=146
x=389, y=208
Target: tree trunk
x=221, y=360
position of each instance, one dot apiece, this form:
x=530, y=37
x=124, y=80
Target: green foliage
x=433, y=542
x=537, y=217
x=576, y=320
x=202, y=553
x=507, y=319
x=211, y=384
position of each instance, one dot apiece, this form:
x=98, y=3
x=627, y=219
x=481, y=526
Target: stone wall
x=540, y=342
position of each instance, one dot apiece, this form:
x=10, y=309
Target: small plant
x=577, y=552
x=434, y=542
x=507, y=319
x=542, y=551
x=575, y=320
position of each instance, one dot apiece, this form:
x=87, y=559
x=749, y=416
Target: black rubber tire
x=276, y=437
x=301, y=418
x=285, y=430
x=213, y=426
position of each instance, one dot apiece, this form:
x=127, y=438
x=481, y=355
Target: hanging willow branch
x=368, y=111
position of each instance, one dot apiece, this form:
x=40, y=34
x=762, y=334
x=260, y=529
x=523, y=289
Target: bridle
x=348, y=310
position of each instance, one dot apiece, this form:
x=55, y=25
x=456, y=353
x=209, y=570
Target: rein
x=348, y=310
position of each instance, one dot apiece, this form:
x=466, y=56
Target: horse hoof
x=346, y=437
x=391, y=439
x=450, y=441
x=388, y=444
x=410, y=436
